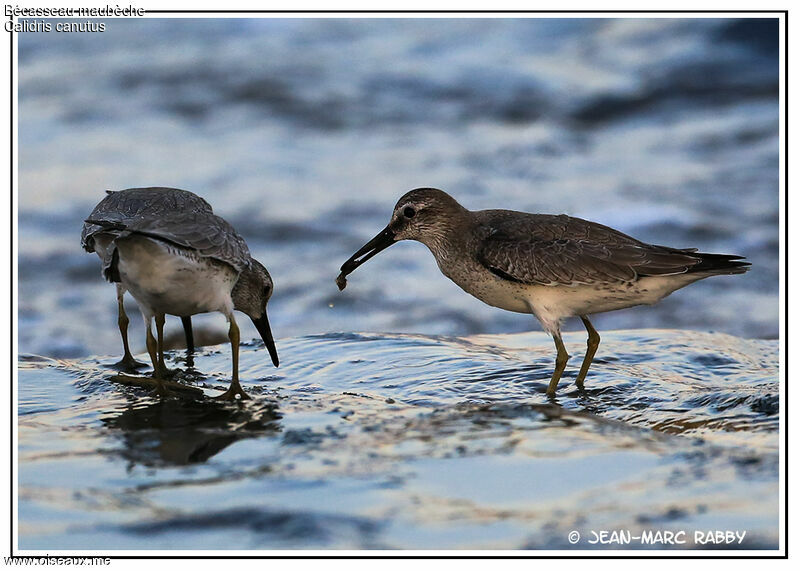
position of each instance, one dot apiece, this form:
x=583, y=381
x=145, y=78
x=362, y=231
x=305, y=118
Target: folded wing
x=569, y=251
x=125, y=205
x=204, y=233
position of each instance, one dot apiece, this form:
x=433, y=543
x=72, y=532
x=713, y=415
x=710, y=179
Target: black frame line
x=11, y=291
x=366, y=555
x=587, y=12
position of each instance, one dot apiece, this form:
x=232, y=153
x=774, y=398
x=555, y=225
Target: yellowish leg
x=163, y=387
x=152, y=349
x=162, y=367
x=233, y=335
x=235, y=388
x=561, y=361
x=122, y=322
x=127, y=362
x=591, y=347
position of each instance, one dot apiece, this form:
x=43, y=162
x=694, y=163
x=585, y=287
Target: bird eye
x=409, y=212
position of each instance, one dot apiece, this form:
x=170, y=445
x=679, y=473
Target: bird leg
x=235, y=388
x=152, y=349
x=561, y=361
x=127, y=363
x=162, y=366
x=591, y=347
x=187, y=330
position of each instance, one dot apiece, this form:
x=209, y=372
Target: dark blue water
x=303, y=133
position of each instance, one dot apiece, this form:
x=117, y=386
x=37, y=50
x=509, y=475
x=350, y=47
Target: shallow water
x=369, y=441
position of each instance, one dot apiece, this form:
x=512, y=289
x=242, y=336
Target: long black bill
x=266, y=334
x=378, y=243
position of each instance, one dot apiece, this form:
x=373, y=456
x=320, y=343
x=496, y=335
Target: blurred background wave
x=304, y=132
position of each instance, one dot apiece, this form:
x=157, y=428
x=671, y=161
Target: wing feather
x=124, y=205
x=560, y=250
x=207, y=234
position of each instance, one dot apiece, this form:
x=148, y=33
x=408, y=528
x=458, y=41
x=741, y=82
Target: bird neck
x=451, y=236
x=243, y=292
x=238, y=294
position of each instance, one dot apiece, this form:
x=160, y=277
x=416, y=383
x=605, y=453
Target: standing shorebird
x=551, y=266
x=125, y=206
x=184, y=262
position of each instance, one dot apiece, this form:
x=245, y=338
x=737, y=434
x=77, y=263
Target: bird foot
x=163, y=373
x=128, y=364
x=234, y=390
x=161, y=391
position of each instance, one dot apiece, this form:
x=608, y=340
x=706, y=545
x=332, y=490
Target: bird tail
x=111, y=265
x=719, y=264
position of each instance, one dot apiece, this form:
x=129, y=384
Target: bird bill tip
x=262, y=325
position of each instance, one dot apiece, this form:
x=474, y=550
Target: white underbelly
x=568, y=301
x=552, y=304
x=556, y=302
x=493, y=291
x=166, y=279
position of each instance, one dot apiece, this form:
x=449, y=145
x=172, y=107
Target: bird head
x=250, y=296
x=427, y=215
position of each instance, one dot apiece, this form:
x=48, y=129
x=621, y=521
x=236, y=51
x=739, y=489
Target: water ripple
x=382, y=440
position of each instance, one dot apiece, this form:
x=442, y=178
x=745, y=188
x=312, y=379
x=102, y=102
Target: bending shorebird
x=184, y=262
x=551, y=266
x=126, y=205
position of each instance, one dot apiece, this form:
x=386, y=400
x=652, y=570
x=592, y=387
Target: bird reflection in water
x=180, y=432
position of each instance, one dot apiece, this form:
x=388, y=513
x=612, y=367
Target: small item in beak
x=378, y=243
